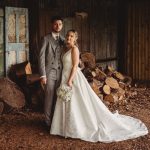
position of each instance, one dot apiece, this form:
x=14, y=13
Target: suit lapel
x=53, y=43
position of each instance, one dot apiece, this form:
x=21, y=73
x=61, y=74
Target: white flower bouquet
x=64, y=93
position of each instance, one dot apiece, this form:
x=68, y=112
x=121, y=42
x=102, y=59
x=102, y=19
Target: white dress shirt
x=55, y=35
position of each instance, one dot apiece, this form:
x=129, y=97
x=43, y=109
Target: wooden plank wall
x=107, y=31
x=1, y=42
x=13, y=3
x=137, y=52
x=97, y=33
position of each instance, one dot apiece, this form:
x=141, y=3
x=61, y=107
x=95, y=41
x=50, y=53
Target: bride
x=85, y=116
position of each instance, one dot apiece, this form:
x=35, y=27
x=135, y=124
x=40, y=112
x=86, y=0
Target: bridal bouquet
x=64, y=93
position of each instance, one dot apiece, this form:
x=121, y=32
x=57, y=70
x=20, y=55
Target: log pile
x=29, y=83
x=110, y=85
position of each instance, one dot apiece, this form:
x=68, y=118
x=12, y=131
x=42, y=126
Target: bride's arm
x=75, y=62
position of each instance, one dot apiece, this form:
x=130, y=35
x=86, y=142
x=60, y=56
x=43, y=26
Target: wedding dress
x=86, y=117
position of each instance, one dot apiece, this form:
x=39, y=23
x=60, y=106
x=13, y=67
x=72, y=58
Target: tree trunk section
x=11, y=94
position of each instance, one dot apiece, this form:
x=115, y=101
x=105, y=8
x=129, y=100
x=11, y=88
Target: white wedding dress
x=86, y=117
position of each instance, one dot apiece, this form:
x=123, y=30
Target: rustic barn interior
x=115, y=31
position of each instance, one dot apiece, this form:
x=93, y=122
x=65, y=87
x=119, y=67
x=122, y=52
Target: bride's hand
x=69, y=83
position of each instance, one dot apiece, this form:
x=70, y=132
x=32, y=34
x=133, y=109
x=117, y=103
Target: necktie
x=57, y=38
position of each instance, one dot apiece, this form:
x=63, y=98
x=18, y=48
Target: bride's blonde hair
x=76, y=35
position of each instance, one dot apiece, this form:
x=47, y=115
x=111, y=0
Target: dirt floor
x=25, y=130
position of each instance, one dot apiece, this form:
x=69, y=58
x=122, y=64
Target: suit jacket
x=50, y=56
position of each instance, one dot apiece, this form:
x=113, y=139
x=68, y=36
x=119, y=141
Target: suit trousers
x=53, y=82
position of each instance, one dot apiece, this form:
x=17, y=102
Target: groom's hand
x=43, y=80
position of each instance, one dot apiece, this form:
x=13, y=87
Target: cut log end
x=106, y=89
x=95, y=87
x=119, y=76
x=21, y=69
x=110, y=81
x=88, y=59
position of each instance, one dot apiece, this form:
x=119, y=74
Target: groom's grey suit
x=50, y=65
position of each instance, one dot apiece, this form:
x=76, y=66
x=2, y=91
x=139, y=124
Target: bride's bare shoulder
x=75, y=49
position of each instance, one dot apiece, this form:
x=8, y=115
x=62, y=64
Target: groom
x=50, y=66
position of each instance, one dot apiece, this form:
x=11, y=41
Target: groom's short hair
x=54, y=18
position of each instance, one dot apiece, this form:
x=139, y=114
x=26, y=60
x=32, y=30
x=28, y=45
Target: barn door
x=16, y=36
x=1, y=43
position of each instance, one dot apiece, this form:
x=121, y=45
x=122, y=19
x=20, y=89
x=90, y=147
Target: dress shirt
x=55, y=35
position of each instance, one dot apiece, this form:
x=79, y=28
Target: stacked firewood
x=20, y=89
x=29, y=82
x=110, y=85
